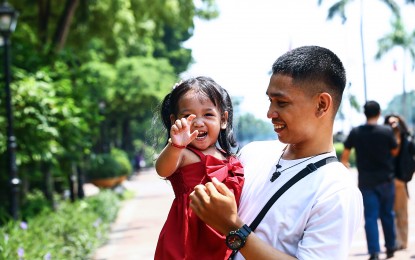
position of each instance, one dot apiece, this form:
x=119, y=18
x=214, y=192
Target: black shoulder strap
x=304, y=172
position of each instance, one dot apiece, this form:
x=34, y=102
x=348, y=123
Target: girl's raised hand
x=180, y=131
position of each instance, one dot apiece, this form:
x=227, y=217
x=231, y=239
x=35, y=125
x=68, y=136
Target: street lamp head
x=8, y=18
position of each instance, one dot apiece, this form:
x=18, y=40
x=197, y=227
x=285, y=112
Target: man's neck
x=372, y=121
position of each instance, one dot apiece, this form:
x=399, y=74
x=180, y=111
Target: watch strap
x=245, y=230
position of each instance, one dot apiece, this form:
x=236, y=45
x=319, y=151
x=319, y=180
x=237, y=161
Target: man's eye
x=282, y=103
x=278, y=102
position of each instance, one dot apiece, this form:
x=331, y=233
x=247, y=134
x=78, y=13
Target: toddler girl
x=198, y=117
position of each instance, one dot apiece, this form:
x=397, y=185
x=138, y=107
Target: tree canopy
x=88, y=73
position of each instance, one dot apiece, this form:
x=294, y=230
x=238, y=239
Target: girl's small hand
x=180, y=131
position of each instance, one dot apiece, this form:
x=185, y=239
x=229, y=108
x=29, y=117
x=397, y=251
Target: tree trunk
x=48, y=183
x=64, y=24
x=126, y=139
x=73, y=183
x=43, y=16
x=81, y=181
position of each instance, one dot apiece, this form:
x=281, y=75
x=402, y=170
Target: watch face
x=234, y=241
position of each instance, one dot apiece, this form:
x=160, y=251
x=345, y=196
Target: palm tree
x=398, y=37
x=338, y=8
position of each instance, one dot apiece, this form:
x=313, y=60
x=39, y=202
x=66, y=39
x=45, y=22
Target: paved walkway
x=135, y=232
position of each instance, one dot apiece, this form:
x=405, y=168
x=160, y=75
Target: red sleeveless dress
x=184, y=235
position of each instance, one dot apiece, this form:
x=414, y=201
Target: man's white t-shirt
x=316, y=218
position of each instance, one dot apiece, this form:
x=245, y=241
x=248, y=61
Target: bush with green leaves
x=109, y=165
x=339, y=150
x=74, y=231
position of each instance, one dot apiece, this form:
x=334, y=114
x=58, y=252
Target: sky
x=237, y=49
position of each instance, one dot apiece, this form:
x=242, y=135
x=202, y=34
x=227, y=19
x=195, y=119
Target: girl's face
x=209, y=120
x=393, y=122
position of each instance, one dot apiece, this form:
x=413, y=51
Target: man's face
x=292, y=110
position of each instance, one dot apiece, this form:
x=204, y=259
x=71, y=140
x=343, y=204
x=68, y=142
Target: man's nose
x=272, y=113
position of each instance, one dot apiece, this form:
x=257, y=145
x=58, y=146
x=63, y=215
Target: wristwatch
x=236, y=239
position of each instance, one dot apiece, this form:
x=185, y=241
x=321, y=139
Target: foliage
x=74, y=231
x=147, y=150
x=351, y=99
x=110, y=165
x=339, y=147
x=34, y=204
x=339, y=8
x=249, y=128
x=395, y=106
x=85, y=75
x=400, y=38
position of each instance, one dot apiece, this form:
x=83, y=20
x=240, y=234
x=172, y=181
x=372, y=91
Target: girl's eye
x=209, y=114
x=186, y=116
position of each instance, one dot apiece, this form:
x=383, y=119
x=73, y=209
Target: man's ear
x=224, y=120
x=324, y=103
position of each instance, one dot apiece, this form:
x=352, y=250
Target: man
x=317, y=217
x=375, y=147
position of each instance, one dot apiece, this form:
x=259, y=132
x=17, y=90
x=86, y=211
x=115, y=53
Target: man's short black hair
x=371, y=109
x=314, y=64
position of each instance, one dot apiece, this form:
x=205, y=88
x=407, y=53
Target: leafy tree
x=84, y=68
x=395, y=106
x=339, y=8
x=249, y=128
x=401, y=39
x=110, y=29
x=141, y=83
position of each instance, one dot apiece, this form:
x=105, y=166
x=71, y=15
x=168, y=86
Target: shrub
x=74, y=231
x=34, y=203
x=110, y=165
x=339, y=150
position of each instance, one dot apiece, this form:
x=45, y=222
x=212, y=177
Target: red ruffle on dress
x=184, y=235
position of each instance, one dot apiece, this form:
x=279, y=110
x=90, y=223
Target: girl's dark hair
x=403, y=128
x=217, y=95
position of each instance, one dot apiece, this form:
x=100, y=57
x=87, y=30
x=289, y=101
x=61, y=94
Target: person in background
x=318, y=216
x=401, y=132
x=375, y=146
x=139, y=161
x=198, y=118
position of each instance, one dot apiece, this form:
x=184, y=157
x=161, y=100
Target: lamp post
x=8, y=20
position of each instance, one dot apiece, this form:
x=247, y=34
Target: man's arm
x=215, y=204
x=345, y=157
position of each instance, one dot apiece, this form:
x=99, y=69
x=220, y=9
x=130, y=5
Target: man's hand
x=215, y=204
x=180, y=131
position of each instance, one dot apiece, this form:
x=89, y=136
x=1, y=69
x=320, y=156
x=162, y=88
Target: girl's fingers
x=190, y=118
x=194, y=135
x=178, y=124
x=174, y=129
